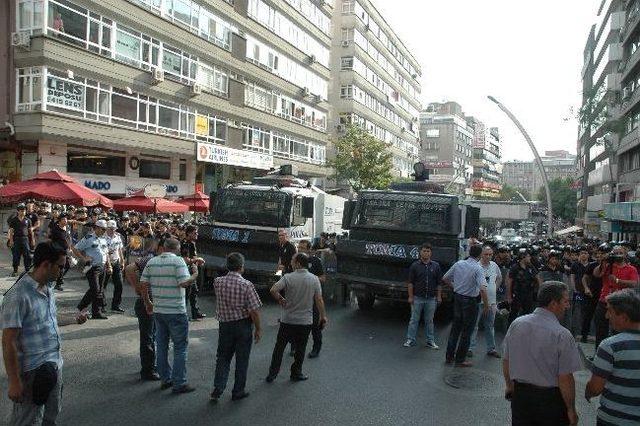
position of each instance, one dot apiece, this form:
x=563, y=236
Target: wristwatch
x=617, y=280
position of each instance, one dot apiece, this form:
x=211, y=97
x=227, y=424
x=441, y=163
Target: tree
x=563, y=198
x=362, y=160
x=510, y=193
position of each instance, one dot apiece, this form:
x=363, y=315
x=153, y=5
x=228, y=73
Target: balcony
x=630, y=64
x=630, y=25
x=603, y=175
x=630, y=140
x=629, y=100
x=629, y=212
x=595, y=203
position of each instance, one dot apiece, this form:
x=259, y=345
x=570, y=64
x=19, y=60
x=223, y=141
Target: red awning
x=54, y=187
x=141, y=203
x=198, y=202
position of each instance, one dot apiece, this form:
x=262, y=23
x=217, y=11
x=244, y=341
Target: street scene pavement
x=363, y=374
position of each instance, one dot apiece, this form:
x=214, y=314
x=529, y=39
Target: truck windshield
x=253, y=207
x=402, y=214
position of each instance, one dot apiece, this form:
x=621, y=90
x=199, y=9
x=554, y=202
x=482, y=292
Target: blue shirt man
x=425, y=293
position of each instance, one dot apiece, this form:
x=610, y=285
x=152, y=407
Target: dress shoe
x=117, y=309
x=299, y=378
x=165, y=385
x=99, y=316
x=270, y=378
x=449, y=361
x=183, y=389
x=199, y=315
x=314, y=354
x=150, y=377
x=239, y=396
x=464, y=364
x=494, y=354
x=214, y=396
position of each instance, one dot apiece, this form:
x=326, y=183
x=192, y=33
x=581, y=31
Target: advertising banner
x=65, y=94
x=210, y=153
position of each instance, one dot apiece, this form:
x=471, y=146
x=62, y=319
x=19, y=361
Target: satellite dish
x=155, y=191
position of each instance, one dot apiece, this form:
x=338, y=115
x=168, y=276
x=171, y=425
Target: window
x=30, y=16
x=74, y=24
x=155, y=169
x=281, y=145
x=298, y=219
x=95, y=164
x=182, y=171
x=346, y=63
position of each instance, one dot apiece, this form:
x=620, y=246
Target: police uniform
x=523, y=290
x=97, y=249
x=115, y=245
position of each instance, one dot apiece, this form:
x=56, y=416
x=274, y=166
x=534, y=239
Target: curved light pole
x=543, y=173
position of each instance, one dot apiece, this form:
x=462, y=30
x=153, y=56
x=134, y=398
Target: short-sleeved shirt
x=20, y=227
x=286, y=253
x=114, y=245
x=578, y=270
x=165, y=273
x=491, y=274
x=595, y=283
x=524, y=280
x=300, y=287
x=617, y=361
x=467, y=277
x=539, y=349
x=34, y=313
x=189, y=249
x=59, y=235
x=548, y=274
x=425, y=278
x=315, y=266
x=625, y=272
x=235, y=297
x=94, y=247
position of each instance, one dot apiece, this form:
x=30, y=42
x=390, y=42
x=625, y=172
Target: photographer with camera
x=616, y=275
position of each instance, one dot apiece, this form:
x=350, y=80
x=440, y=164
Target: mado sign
x=97, y=185
x=65, y=94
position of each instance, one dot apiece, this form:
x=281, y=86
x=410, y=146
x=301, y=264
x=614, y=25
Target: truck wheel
x=366, y=301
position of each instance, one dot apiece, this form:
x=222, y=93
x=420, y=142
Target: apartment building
x=375, y=81
x=487, y=154
x=525, y=176
x=187, y=93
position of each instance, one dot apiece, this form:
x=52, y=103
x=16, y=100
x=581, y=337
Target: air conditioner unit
x=305, y=92
x=341, y=128
x=415, y=76
x=312, y=59
x=317, y=99
x=196, y=89
x=21, y=39
x=345, y=43
x=158, y=75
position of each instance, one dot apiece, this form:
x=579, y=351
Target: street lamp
x=543, y=173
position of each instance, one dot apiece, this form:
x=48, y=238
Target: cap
x=554, y=253
x=21, y=206
x=101, y=223
x=112, y=224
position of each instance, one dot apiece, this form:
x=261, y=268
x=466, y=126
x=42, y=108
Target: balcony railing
x=629, y=212
x=632, y=20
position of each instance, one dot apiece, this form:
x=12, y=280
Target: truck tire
x=365, y=301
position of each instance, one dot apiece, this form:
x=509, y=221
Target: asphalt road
x=363, y=376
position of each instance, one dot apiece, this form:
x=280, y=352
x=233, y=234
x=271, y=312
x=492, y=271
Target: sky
x=528, y=54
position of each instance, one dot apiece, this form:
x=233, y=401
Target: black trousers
x=589, y=305
x=147, y=328
x=192, y=296
x=602, y=323
x=63, y=272
x=465, y=314
x=316, y=331
x=297, y=335
x=521, y=305
x=533, y=406
x=235, y=338
x=19, y=250
x=116, y=277
x=94, y=296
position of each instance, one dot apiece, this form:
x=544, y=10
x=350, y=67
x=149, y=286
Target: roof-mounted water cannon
x=420, y=172
x=284, y=176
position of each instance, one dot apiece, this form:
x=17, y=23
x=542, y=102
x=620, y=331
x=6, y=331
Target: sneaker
x=409, y=343
x=494, y=354
x=432, y=345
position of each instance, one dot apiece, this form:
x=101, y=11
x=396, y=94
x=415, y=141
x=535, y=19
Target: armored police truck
x=246, y=218
x=386, y=230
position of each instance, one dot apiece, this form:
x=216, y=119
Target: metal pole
x=543, y=173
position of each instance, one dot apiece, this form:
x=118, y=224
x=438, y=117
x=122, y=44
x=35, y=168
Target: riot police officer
x=116, y=258
x=94, y=251
x=521, y=286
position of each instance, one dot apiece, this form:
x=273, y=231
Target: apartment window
x=30, y=16
x=182, y=170
x=346, y=92
x=77, y=25
x=95, y=164
x=155, y=169
x=346, y=63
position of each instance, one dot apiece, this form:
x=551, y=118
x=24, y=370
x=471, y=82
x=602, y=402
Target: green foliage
x=510, y=193
x=362, y=160
x=563, y=198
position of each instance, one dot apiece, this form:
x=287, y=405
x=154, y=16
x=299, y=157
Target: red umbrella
x=141, y=203
x=54, y=187
x=198, y=202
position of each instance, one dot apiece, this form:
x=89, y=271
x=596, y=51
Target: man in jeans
x=168, y=275
x=467, y=278
x=425, y=294
x=301, y=288
x=237, y=309
x=493, y=278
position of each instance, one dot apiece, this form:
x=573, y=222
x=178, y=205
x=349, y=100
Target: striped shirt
x=34, y=313
x=618, y=362
x=165, y=273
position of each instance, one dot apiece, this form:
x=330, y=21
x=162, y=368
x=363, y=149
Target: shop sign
x=210, y=153
x=98, y=185
x=65, y=93
x=202, y=125
x=439, y=165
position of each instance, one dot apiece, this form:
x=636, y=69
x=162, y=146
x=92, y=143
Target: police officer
x=116, y=258
x=521, y=286
x=94, y=251
x=190, y=254
x=21, y=237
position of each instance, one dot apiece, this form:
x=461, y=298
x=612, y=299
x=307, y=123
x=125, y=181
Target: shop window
x=154, y=169
x=95, y=164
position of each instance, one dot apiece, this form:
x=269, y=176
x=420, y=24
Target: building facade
x=524, y=175
x=375, y=81
x=191, y=94
x=487, y=167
